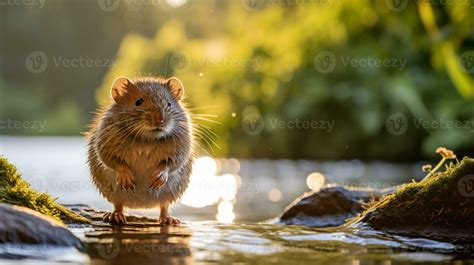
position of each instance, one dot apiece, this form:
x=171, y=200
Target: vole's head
x=149, y=107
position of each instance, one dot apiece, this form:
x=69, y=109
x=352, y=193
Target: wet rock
x=330, y=206
x=20, y=225
x=96, y=216
x=440, y=207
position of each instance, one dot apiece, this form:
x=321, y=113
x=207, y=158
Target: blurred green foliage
x=243, y=60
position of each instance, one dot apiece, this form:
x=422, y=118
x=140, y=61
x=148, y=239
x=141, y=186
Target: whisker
x=204, y=115
x=206, y=119
x=205, y=107
x=208, y=138
x=207, y=129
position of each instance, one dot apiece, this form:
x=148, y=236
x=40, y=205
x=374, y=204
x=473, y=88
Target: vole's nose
x=158, y=118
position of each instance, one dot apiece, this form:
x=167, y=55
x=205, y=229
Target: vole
x=140, y=147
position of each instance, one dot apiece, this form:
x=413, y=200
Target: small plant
x=446, y=155
x=15, y=190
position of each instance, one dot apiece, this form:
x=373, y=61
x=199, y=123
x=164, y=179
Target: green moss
x=15, y=190
x=437, y=200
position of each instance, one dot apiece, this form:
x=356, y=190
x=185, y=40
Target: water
x=265, y=187
x=255, y=243
x=243, y=243
x=227, y=199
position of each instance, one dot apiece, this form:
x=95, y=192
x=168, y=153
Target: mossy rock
x=15, y=190
x=440, y=207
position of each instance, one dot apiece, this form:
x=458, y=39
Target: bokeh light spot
x=176, y=3
x=274, y=195
x=315, y=181
x=207, y=188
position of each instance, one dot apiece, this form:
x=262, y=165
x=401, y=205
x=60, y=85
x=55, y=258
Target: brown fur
x=123, y=134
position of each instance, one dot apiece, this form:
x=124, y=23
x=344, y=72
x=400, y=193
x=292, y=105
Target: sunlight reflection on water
x=206, y=188
x=223, y=189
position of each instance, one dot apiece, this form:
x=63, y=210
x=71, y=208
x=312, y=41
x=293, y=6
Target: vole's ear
x=176, y=87
x=120, y=88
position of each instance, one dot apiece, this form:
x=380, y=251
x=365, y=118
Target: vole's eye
x=139, y=102
x=168, y=102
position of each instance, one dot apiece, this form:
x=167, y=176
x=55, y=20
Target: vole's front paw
x=169, y=220
x=158, y=179
x=125, y=179
x=115, y=218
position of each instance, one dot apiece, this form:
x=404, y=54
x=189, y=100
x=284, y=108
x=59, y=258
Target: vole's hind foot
x=169, y=220
x=115, y=218
x=158, y=179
